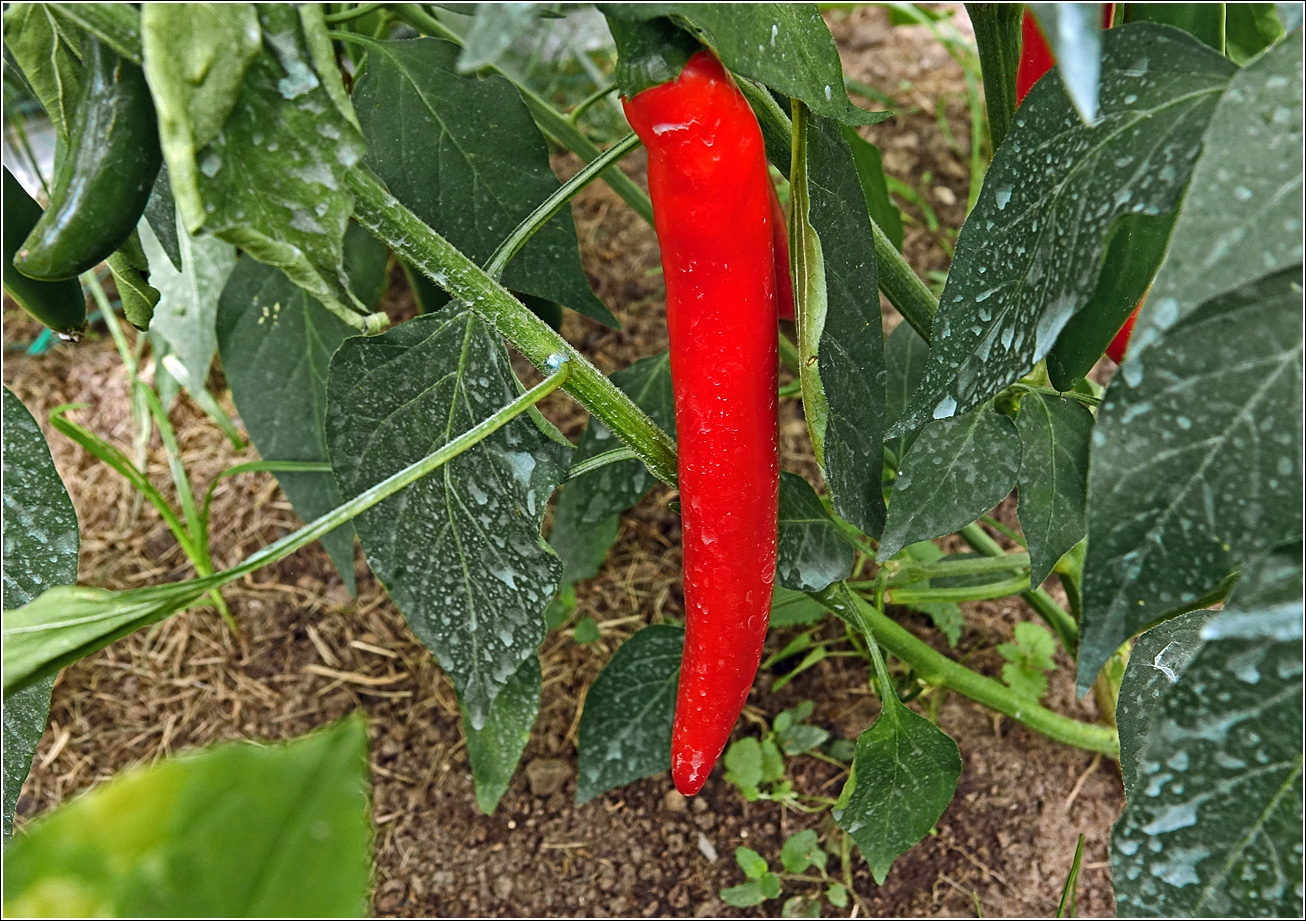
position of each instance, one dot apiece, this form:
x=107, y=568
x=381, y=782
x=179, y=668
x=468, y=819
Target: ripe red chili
x=707, y=175
x=1116, y=350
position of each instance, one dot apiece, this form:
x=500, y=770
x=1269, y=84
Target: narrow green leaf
x=1073, y=30
x=470, y=178
x=1020, y=273
x=238, y=830
x=957, y=470
x=812, y=552
x=905, y=357
x=625, y=728
x=1053, y=481
x=41, y=542
x=904, y=775
x=870, y=172
x=1250, y=28
x=495, y=750
x=460, y=552
x=161, y=212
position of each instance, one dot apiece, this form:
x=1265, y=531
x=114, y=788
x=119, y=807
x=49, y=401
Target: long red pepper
x=708, y=180
x=1036, y=59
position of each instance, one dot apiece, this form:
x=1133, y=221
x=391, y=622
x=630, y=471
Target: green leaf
x=801, y=851
x=905, y=357
x=842, y=327
x=460, y=552
x=276, y=344
x=1196, y=464
x=1020, y=272
x=1073, y=29
x=184, y=319
x=773, y=763
x=1053, y=481
x=837, y=895
x=1028, y=659
x=237, y=830
x=625, y=727
x=41, y=542
x=270, y=176
x=743, y=763
x=751, y=862
x=138, y=296
x=495, y=749
x=790, y=609
x=745, y=895
x=494, y=28
x=870, y=172
x=1156, y=660
x=812, y=550
x=1250, y=28
x=1203, y=21
x=471, y=178
x=946, y=615
x=1213, y=816
x=586, y=630
x=904, y=776
x=957, y=470
x=587, y=514
x=1242, y=217
x=784, y=45
x=49, y=57
x=161, y=213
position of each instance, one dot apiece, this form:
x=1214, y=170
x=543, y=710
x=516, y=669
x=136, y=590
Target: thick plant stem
x=1042, y=603
x=934, y=668
x=419, y=245
x=902, y=286
x=997, y=36
x=550, y=120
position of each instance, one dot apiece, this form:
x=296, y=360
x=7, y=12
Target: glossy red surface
x=710, y=188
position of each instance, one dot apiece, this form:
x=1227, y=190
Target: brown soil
x=311, y=654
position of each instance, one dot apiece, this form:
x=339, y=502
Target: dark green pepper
x=60, y=305
x=106, y=174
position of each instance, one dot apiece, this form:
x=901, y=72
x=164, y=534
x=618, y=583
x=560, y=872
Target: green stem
x=590, y=464
x=935, y=668
x=997, y=36
x=550, y=120
x=555, y=203
x=1086, y=398
x=401, y=230
x=905, y=572
x=584, y=105
x=357, y=12
x=1042, y=603
x=902, y=286
x=984, y=592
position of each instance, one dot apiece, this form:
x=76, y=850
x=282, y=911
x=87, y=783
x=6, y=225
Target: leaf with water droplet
x=1043, y=251
x=41, y=541
x=495, y=750
x=811, y=550
x=1053, y=481
x=472, y=578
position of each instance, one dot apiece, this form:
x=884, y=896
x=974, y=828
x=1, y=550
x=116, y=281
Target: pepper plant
x=1161, y=154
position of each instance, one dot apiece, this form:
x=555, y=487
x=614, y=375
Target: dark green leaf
x=625, y=728
x=270, y=176
x=1029, y=254
x=1156, y=660
x=276, y=344
x=1073, y=30
x=1242, y=217
x=957, y=470
x=1203, y=21
x=1213, y=819
x=470, y=176
x=40, y=550
x=1196, y=463
x=851, y=345
x=460, y=551
x=1250, y=28
x=581, y=545
x=812, y=550
x=784, y=45
x=870, y=172
x=161, y=212
x=366, y=264
x=239, y=830
x=495, y=750
x=905, y=357
x=789, y=609
x=1053, y=481
x=904, y=776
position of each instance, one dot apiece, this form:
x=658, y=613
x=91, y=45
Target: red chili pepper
x=708, y=179
x=784, y=282
x=1116, y=350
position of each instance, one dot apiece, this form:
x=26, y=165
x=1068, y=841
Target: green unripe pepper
x=106, y=174
x=60, y=305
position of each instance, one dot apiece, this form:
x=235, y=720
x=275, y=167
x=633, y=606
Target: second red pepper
x=708, y=180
